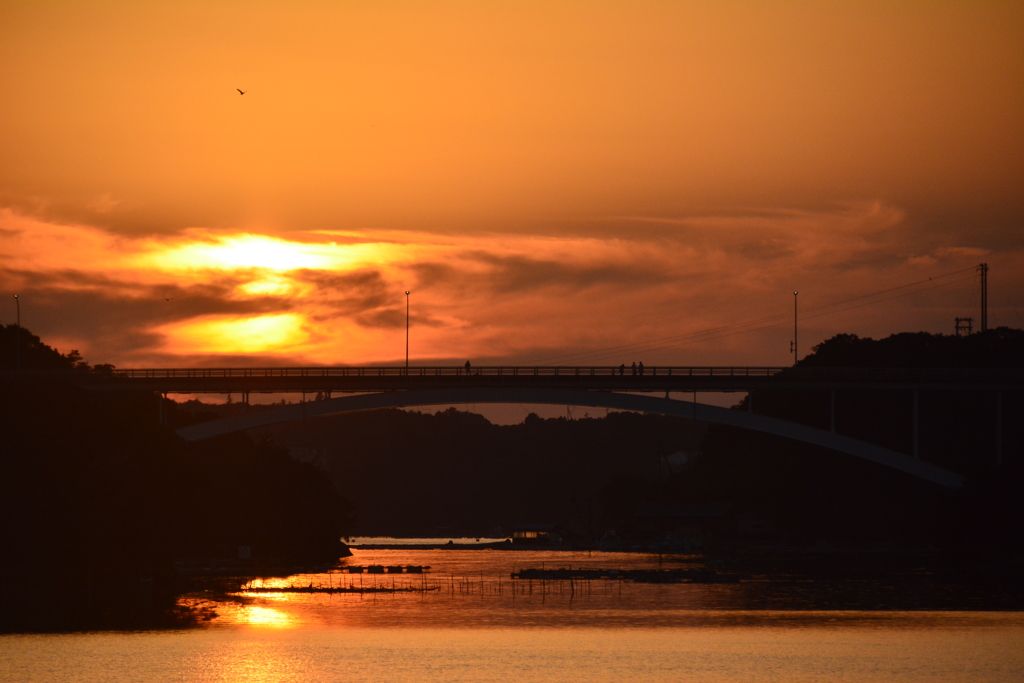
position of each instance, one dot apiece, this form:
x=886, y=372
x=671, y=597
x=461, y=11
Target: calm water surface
x=473, y=623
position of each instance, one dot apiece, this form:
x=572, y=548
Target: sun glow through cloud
x=260, y=334
x=250, y=251
x=338, y=298
x=270, y=286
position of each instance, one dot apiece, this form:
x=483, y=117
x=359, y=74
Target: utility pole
x=796, y=331
x=983, y=269
x=407, y=329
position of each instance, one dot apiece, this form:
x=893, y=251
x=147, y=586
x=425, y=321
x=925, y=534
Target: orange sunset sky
x=556, y=182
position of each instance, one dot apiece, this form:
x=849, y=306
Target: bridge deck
x=593, y=378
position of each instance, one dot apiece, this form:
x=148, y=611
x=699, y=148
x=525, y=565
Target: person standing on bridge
x=622, y=369
x=467, y=367
x=634, y=367
x=641, y=368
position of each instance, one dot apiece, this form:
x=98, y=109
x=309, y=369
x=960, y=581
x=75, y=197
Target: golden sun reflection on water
x=974, y=650
x=258, y=615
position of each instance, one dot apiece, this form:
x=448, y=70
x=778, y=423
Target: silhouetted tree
x=97, y=499
x=34, y=354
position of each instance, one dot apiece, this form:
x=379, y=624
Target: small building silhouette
x=535, y=534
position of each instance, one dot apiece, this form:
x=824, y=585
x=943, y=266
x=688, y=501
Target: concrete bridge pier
x=832, y=410
x=914, y=425
x=999, y=428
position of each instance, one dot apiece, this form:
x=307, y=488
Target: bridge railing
x=449, y=371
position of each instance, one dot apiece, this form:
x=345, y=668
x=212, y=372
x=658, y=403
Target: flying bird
x=240, y=91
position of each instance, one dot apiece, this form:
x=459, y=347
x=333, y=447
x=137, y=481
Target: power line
x=713, y=333
x=710, y=336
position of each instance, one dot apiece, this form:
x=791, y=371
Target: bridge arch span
x=594, y=399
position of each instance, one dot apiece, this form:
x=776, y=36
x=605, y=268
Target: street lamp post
x=406, y=329
x=17, y=339
x=796, y=331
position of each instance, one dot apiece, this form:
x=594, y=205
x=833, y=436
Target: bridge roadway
x=657, y=379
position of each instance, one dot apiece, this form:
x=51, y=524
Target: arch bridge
x=614, y=387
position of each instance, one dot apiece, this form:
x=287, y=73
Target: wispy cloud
x=207, y=296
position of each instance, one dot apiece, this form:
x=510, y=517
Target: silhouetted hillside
x=956, y=428
x=1002, y=347
x=411, y=473
x=813, y=494
x=97, y=500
